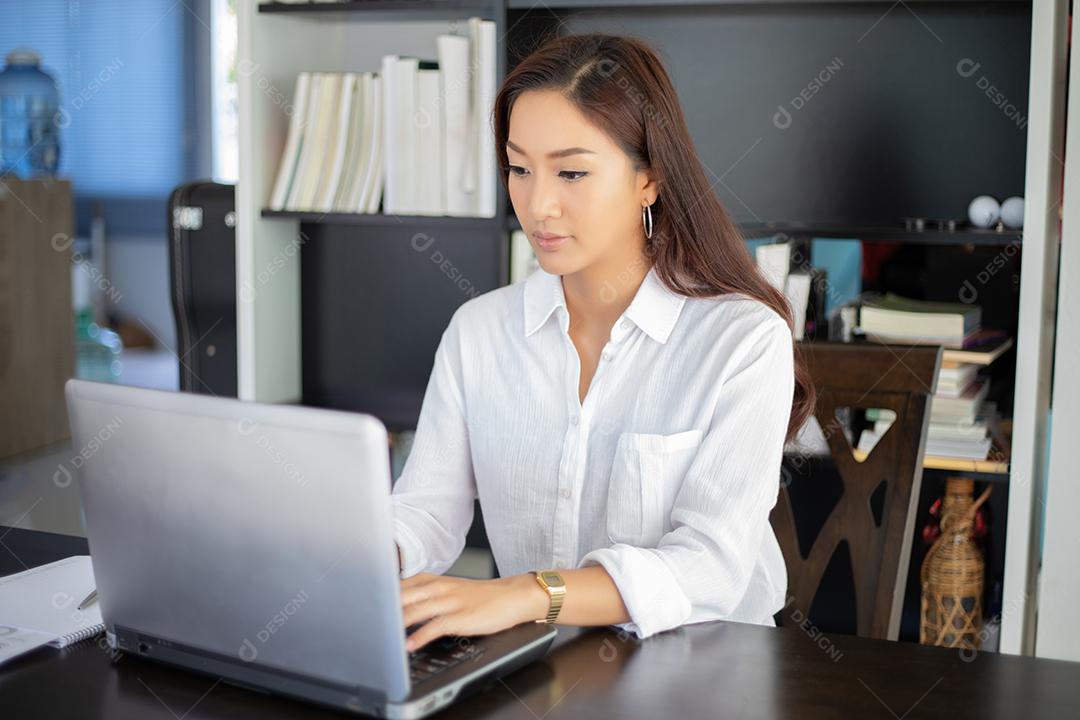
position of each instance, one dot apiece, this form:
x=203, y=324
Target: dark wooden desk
x=711, y=670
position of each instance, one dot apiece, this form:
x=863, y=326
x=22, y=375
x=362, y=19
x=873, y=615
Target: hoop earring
x=646, y=220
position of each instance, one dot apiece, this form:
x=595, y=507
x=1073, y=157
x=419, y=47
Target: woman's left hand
x=461, y=606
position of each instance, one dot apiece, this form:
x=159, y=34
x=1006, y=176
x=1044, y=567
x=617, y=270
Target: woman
x=621, y=413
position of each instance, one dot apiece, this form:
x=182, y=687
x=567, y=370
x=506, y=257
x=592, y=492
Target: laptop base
x=502, y=654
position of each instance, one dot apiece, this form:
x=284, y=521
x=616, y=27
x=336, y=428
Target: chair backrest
x=900, y=378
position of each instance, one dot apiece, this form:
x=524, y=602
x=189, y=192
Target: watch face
x=552, y=578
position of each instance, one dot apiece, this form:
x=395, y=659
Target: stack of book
x=955, y=432
x=959, y=426
x=895, y=319
x=961, y=421
x=414, y=137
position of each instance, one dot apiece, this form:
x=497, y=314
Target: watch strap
x=556, y=595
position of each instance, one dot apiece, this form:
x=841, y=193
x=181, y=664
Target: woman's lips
x=550, y=242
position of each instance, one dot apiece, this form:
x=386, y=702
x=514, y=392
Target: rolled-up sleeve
x=433, y=499
x=701, y=569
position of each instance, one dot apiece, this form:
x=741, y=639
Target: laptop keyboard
x=439, y=655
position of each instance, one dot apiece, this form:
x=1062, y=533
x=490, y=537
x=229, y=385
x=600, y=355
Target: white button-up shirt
x=665, y=475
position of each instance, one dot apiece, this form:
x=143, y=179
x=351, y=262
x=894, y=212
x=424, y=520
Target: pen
x=89, y=600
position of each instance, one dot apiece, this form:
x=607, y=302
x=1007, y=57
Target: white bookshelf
x=1059, y=584
x=1046, y=108
x=273, y=47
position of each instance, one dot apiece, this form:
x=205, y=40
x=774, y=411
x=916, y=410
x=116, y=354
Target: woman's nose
x=543, y=199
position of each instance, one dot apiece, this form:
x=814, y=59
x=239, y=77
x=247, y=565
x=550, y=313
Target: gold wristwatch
x=554, y=586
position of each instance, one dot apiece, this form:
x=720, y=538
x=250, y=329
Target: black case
x=202, y=272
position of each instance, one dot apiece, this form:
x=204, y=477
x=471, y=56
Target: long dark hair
x=620, y=85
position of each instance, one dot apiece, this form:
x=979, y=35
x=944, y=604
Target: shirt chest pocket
x=646, y=474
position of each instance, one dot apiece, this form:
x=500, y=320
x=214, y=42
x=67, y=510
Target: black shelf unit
x=328, y=256
x=912, y=151
x=385, y=9
x=630, y=4
x=870, y=233
x=379, y=220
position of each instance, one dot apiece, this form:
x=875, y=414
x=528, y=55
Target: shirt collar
x=655, y=308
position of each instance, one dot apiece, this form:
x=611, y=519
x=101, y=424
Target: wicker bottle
x=952, y=573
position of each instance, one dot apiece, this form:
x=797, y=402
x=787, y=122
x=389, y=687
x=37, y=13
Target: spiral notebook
x=40, y=607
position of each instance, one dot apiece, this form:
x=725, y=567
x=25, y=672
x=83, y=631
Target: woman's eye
x=568, y=175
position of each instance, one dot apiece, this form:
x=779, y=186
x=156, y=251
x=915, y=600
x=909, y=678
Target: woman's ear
x=648, y=187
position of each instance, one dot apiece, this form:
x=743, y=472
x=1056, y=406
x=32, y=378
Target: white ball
x=1012, y=212
x=984, y=211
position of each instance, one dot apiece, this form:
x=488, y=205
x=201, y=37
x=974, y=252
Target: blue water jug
x=29, y=103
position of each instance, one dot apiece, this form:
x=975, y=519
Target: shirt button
x=605, y=355
x=566, y=492
x=624, y=324
x=574, y=420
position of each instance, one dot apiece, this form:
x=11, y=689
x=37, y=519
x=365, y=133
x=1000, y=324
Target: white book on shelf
x=797, y=291
x=353, y=148
x=406, y=100
x=429, y=173
x=948, y=392
x=486, y=81
x=373, y=178
x=312, y=157
x=962, y=373
x=975, y=430
x=773, y=261
x=400, y=133
x=290, y=155
x=471, y=183
x=315, y=169
x=952, y=390
x=895, y=317
x=365, y=145
x=456, y=90
x=965, y=408
x=337, y=145
x=958, y=432
x=964, y=449
x=311, y=115
x=956, y=383
x=390, y=131
x=984, y=424
x=326, y=140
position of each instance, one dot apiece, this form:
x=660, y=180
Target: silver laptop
x=254, y=543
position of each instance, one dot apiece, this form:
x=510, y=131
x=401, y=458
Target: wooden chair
x=900, y=378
